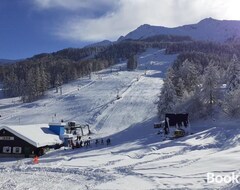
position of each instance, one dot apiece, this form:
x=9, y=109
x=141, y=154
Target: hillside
x=51, y=70
x=206, y=30
x=94, y=100
x=138, y=158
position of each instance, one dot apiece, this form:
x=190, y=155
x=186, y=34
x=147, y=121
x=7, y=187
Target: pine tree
x=210, y=85
x=168, y=98
x=32, y=83
x=180, y=88
x=10, y=84
x=189, y=75
x=231, y=104
x=37, y=82
x=233, y=74
x=44, y=80
x=132, y=63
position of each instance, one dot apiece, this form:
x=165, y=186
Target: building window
x=7, y=149
x=17, y=150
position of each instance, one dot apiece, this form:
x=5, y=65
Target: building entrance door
x=27, y=152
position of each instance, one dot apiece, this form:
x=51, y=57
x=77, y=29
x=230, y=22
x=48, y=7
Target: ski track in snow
x=137, y=158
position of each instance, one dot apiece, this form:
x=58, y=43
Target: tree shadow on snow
x=143, y=135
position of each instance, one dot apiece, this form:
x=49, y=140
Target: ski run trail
x=137, y=158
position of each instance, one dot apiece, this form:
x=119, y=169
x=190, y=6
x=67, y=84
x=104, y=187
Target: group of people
x=78, y=143
x=108, y=141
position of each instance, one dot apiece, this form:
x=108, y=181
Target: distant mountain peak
x=145, y=26
x=208, y=29
x=209, y=19
x=99, y=44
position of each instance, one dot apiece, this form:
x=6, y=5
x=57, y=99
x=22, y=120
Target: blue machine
x=57, y=128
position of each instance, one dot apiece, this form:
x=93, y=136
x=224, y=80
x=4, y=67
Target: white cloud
x=47, y=4
x=133, y=13
x=73, y=4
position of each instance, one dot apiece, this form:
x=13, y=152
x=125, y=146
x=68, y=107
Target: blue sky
x=29, y=27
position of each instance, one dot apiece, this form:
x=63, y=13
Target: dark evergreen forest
x=30, y=78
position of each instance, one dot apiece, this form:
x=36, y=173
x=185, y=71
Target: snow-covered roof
x=62, y=124
x=38, y=134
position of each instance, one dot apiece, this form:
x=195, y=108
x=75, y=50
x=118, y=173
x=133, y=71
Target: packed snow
x=138, y=157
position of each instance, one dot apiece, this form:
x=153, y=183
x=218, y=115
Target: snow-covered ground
x=138, y=158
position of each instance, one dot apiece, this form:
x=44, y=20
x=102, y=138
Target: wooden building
x=27, y=140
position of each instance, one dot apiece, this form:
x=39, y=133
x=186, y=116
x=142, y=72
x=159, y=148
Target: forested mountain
x=31, y=77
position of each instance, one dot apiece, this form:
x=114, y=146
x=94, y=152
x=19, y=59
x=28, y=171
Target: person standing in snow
x=89, y=142
x=73, y=145
x=81, y=143
x=108, y=141
x=85, y=143
x=96, y=142
x=36, y=159
x=77, y=144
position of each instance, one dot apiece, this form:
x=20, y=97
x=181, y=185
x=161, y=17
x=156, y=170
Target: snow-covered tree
x=180, y=88
x=193, y=105
x=210, y=85
x=233, y=74
x=168, y=98
x=30, y=86
x=10, y=84
x=44, y=80
x=189, y=75
x=231, y=103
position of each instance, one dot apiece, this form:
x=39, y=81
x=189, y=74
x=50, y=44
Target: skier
x=102, y=142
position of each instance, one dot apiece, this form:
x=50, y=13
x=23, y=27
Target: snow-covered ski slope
x=94, y=101
x=137, y=158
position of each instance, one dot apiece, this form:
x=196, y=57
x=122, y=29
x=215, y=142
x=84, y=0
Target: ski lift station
x=30, y=140
x=174, y=125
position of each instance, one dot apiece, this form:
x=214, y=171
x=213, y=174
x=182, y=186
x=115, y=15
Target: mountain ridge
x=208, y=29
x=7, y=61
